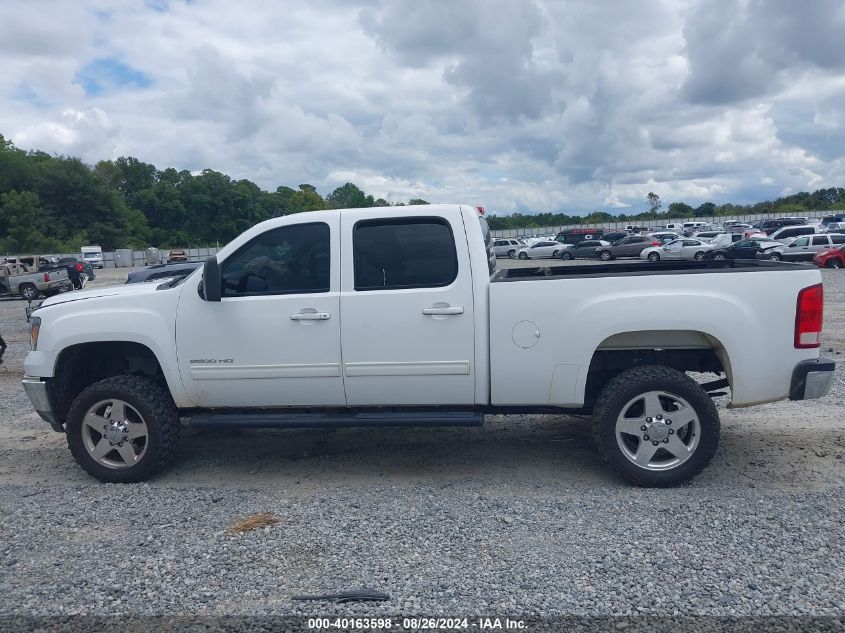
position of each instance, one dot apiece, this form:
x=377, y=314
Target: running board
x=316, y=420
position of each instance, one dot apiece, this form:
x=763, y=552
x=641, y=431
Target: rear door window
x=820, y=240
x=404, y=253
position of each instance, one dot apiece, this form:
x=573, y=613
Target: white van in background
x=93, y=255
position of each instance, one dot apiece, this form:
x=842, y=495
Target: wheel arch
x=682, y=349
x=82, y=364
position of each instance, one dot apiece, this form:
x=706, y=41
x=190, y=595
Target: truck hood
x=108, y=291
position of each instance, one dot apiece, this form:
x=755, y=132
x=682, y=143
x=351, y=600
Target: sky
x=566, y=105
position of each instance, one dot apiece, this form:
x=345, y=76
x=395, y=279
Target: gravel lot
x=516, y=518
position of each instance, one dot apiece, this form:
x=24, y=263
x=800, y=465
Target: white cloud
x=513, y=106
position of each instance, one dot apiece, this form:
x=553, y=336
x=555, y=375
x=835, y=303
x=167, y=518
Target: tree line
x=54, y=204
x=798, y=204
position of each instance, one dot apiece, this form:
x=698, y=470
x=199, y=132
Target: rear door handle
x=310, y=316
x=445, y=311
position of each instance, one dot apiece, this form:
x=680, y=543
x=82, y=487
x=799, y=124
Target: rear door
x=407, y=331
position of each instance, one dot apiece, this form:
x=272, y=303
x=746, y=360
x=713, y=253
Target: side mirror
x=211, y=281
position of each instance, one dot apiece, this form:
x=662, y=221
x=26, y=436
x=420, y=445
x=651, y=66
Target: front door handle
x=310, y=316
x=444, y=310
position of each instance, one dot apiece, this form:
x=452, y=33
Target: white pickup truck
x=397, y=317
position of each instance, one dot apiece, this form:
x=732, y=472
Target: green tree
x=348, y=196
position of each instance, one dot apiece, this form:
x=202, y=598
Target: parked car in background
x=830, y=258
x=162, y=271
x=574, y=236
x=588, y=249
x=707, y=235
x=832, y=218
x=177, y=256
x=688, y=228
x=78, y=271
x=737, y=227
x=507, y=247
x=93, y=255
x=540, y=250
x=833, y=227
x=788, y=232
x=770, y=225
x=664, y=237
x=633, y=228
x=804, y=248
x=614, y=236
x=743, y=249
x=19, y=279
x=630, y=246
x=684, y=248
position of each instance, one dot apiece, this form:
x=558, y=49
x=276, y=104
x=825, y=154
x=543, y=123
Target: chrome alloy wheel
x=657, y=430
x=115, y=434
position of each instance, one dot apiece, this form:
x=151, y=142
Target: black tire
x=159, y=413
x=556, y=255
x=834, y=263
x=719, y=257
x=523, y=256
x=628, y=385
x=605, y=256
x=774, y=257
x=512, y=253
x=653, y=257
x=566, y=256
x=28, y=292
x=698, y=256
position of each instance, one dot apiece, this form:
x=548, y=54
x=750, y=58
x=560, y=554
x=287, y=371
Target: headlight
x=34, y=329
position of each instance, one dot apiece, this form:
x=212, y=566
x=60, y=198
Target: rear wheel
x=28, y=292
x=654, y=257
x=605, y=256
x=566, y=256
x=834, y=263
x=655, y=426
x=123, y=429
x=511, y=253
x=523, y=255
x=556, y=255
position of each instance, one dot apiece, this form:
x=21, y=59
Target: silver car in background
x=540, y=250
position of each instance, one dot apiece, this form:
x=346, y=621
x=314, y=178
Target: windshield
x=91, y=254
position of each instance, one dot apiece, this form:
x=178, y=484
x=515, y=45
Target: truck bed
x=743, y=309
x=635, y=268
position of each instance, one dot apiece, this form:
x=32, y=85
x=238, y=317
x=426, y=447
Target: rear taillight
x=655, y=243
x=46, y=276
x=809, y=314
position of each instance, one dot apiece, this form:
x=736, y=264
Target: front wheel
x=605, y=256
x=774, y=257
x=123, y=429
x=523, y=255
x=29, y=292
x=834, y=263
x=655, y=426
x=654, y=257
x=566, y=256
x=719, y=257
x=511, y=253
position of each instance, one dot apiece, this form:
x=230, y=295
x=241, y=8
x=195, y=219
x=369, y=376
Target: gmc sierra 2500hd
x=397, y=317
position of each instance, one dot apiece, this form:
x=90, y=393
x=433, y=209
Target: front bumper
x=812, y=379
x=39, y=396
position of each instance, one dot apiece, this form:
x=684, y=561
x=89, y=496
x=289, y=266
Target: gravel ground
x=516, y=518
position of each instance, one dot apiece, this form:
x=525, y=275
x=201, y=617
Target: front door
x=274, y=337
x=407, y=303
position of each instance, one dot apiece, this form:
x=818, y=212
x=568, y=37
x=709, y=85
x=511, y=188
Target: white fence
x=549, y=230
x=126, y=258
